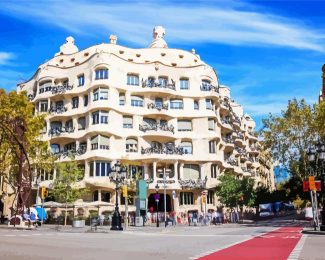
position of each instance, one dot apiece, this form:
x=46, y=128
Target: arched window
x=122, y=99
x=55, y=148
x=184, y=83
x=176, y=104
x=95, y=195
x=131, y=145
x=187, y=147
x=106, y=196
x=133, y=79
x=191, y=171
x=184, y=125
x=136, y=101
x=101, y=73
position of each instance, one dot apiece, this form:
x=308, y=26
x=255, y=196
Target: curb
x=313, y=232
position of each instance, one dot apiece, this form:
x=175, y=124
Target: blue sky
x=267, y=52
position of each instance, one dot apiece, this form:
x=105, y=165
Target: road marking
x=297, y=250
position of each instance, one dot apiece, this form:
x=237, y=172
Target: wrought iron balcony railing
x=194, y=184
x=158, y=106
x=240, y=150
x=61, y=89
x=67, y=153
x=152, y=84
x=30, y=97
x=164, y=149
x=57, y=109
x=226, y=121
x=228, y=140
x=209, y=87
x=156, y=127
x=232, y=161
x=239, y=135
x=59, y=130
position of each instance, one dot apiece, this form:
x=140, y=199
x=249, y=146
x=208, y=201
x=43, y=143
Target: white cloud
x=5, y=57
x=196, y=23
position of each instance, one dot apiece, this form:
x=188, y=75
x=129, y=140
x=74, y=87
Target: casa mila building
x=156, y=110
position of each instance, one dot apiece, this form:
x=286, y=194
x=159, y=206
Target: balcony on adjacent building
x=155, y=127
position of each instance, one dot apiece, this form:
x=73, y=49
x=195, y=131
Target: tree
x=290, y=135
x=234, y=192
x=15, y=106
x=64, y=186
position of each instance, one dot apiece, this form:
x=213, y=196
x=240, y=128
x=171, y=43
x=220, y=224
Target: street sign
x=305, y=186
x=312, y=183
x=157, y=197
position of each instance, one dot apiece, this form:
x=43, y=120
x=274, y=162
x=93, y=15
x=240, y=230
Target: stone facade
x=152, y=109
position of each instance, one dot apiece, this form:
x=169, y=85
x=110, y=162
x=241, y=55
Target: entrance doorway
x=152, y=203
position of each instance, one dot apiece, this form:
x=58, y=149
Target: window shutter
x=104, y=140
x=94, y=140
x=128, y=120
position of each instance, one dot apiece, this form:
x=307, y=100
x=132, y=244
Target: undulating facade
x=154, y=109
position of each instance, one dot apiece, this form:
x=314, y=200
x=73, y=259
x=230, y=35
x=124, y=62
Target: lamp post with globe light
x=118, y=175
x=316, y=156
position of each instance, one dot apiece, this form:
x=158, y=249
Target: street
x=181, y=242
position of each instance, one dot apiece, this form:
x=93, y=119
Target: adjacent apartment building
x=154, y=109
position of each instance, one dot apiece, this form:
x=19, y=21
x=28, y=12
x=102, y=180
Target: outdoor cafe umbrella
x=99, y=204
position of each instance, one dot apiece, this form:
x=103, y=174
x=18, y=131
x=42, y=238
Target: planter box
x=78, y=223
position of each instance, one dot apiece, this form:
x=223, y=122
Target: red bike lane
x=275, y=245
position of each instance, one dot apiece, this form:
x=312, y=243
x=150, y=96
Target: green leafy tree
x=290, y=135
x=233, y=192
x=14, y=106
x=228, y=190
x=65, y=188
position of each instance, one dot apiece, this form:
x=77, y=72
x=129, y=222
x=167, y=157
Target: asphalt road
x=182, y=242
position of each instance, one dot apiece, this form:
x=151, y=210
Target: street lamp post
x=157, y=197
x=117, y=176
x=317, y=155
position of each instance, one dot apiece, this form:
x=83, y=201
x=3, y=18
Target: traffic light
x=44, y=192
x=125, y=191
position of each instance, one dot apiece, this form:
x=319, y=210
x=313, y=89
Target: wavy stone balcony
x=193, y=184
x=165, y=149
x=56, y=131
x=152, y=84
x=156, y=127
x=57, y=110
x=158, y=106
